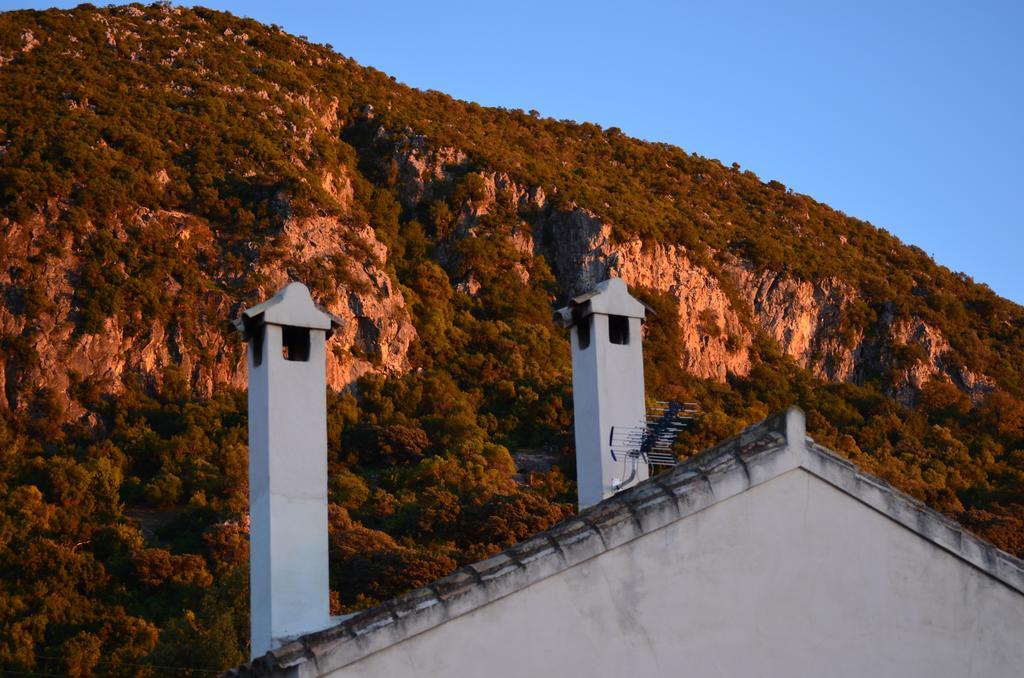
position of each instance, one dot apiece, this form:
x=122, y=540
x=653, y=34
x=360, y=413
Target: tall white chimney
x=607, y=382
x=289, y=589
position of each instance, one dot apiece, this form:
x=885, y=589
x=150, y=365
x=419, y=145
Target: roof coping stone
x=1010, y=569
x=692, y=491
x=370, y=620
x=614, y=520
x=495, y=566
x=728, y=479
x=653, y=506
x=413, y=601
x=577, y=541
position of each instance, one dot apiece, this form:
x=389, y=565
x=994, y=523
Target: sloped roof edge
x=757, y=454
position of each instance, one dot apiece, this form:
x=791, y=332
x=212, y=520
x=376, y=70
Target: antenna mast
x=652, y=441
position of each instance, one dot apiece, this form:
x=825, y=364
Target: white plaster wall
x=791, y=578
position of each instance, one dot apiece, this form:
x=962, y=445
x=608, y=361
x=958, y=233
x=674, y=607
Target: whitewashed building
x=767, y=555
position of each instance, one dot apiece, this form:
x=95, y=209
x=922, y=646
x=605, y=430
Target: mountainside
x=161, y=168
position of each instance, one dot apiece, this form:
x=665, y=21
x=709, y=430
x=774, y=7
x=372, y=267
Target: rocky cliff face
x=722, y=305
x=932, y=358
x=54, y=355
x=376, y=330
x=803, y=317
x=806, y=318
x=47, y=353
x=715, y=342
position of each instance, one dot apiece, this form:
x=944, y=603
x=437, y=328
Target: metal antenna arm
x=653, y=440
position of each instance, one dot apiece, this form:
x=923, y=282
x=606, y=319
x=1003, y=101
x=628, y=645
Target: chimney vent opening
x=583, y=332
x=618, y=329
x=295, y=343
x=257, y=345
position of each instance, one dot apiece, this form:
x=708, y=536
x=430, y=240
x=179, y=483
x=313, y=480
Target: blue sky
x=907, y=114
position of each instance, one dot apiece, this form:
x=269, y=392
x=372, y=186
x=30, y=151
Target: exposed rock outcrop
x=55, y=354
x=45, y=349
x=715, y=341
x=721, y=306
x=376, y=330
x=931, y=358
x=804, y=318
x=579, y=247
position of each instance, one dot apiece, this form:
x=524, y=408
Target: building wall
x=791, y=578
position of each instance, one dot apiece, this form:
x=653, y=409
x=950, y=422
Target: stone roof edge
x=757, y=454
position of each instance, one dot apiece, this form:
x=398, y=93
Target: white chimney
x=607, y=382
x=289, y=589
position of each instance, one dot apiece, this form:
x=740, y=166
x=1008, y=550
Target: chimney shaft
x=607, y=382
x=289, y=589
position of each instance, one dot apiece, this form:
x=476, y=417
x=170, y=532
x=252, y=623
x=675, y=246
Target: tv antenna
x=650, y=443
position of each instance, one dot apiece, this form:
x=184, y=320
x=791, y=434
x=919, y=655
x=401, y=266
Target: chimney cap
x=610, y=297
x=293, y=306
